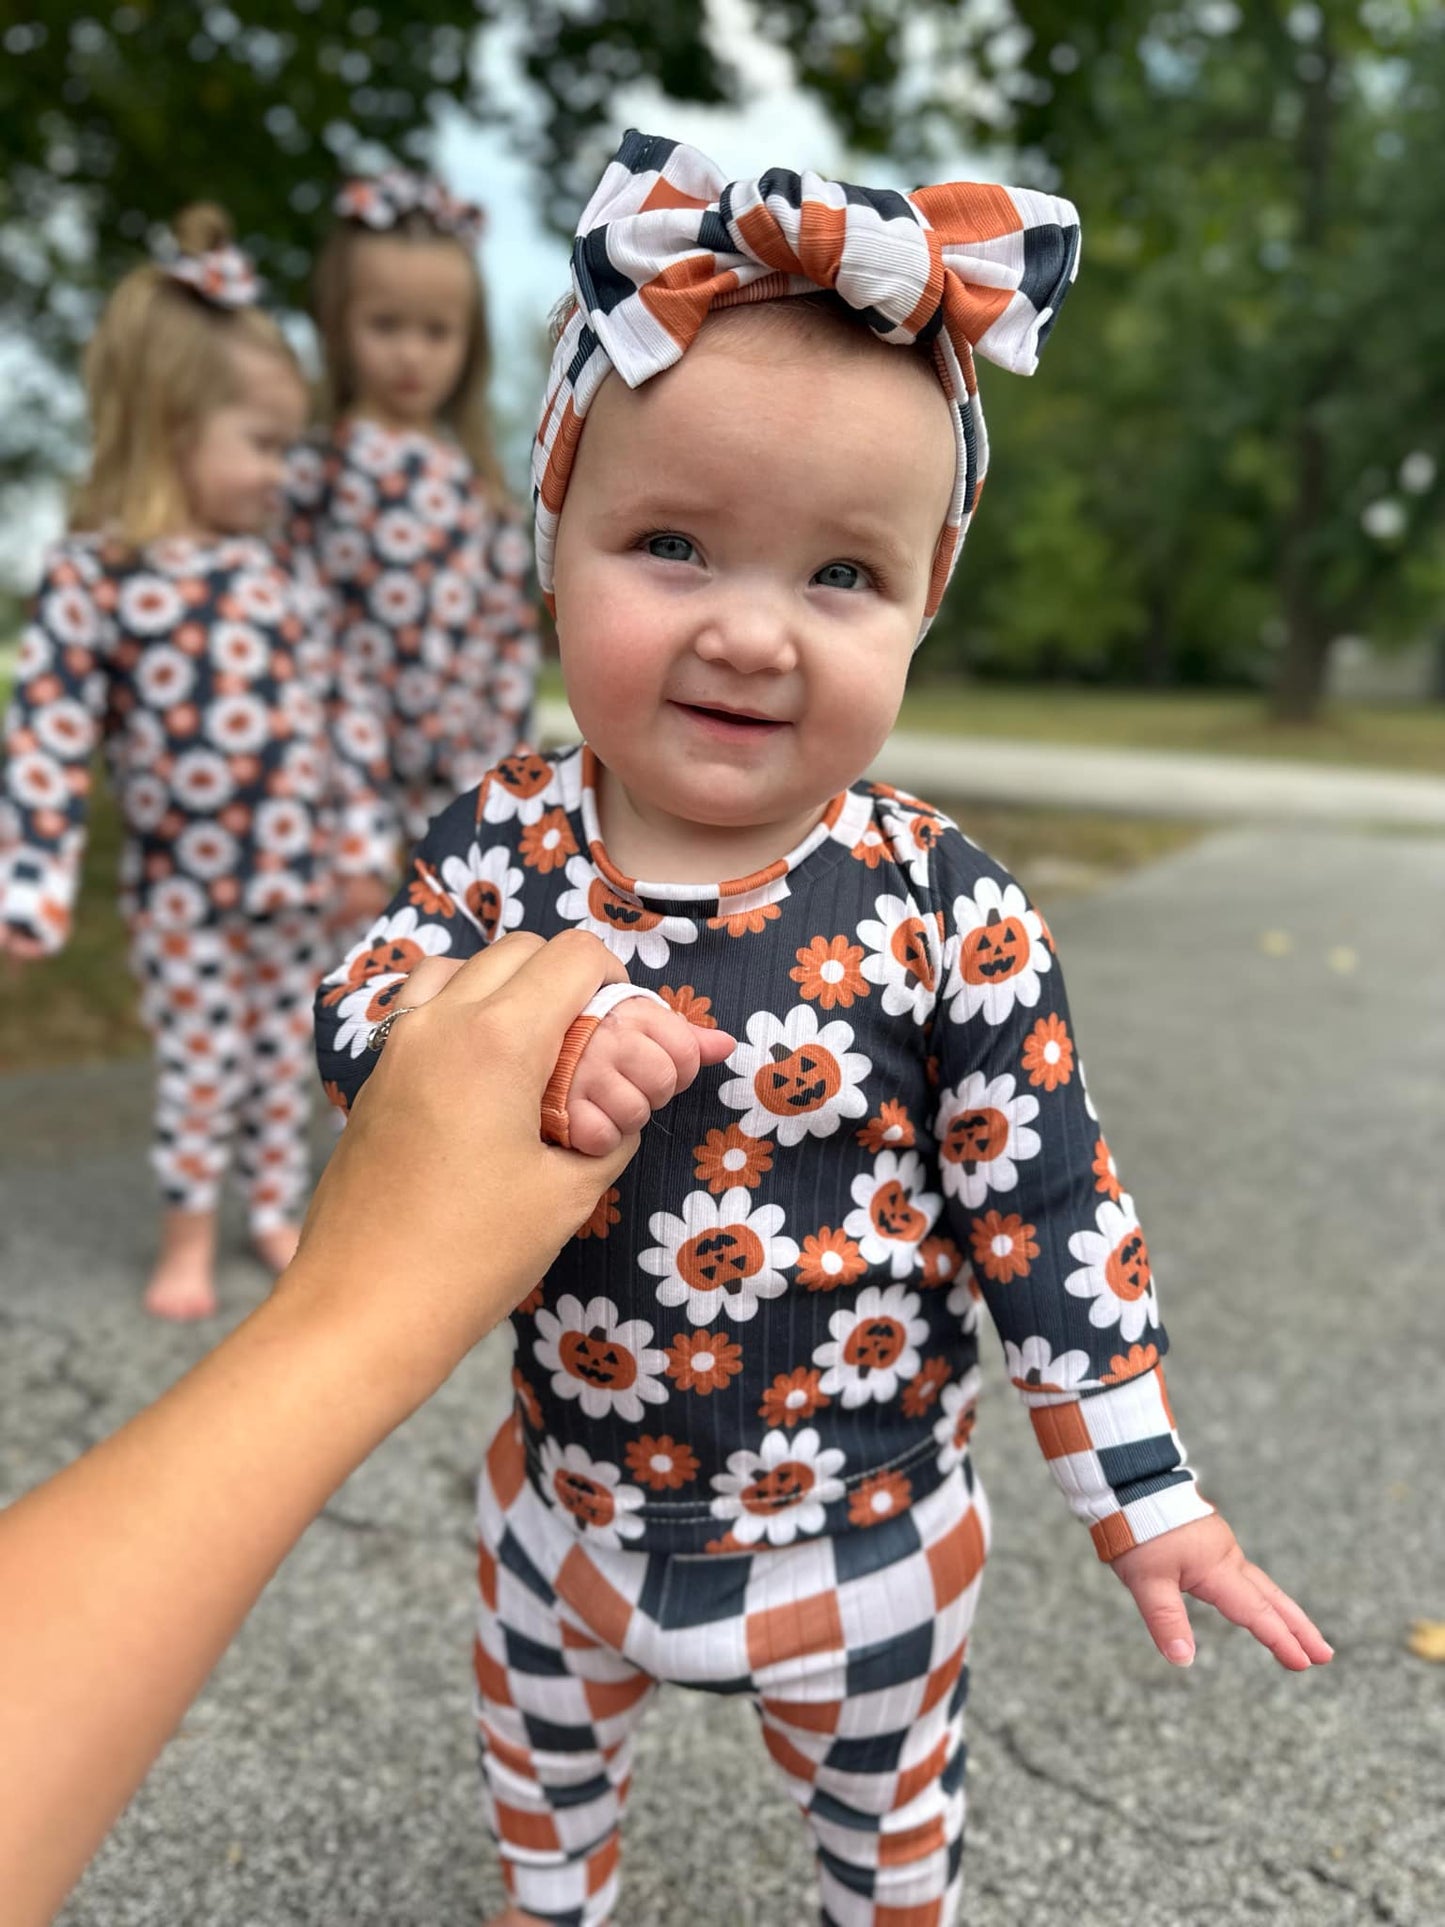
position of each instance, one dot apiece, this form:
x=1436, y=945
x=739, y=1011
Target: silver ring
x=380, y=1032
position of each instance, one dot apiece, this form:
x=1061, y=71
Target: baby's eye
x=839, y=575
x=671, y=548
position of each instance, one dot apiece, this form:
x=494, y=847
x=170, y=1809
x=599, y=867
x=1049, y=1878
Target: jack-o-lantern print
x=873, y=1347
x=591, y=1494
x=623, y=921
x=794, y=1077
x=779, y=1492
x=604, y=1362
x=521, y=786
x=953, y=1428
x=984, y=1134
x=997, y=954
x=388, y=955
x=906, y=946
x=720, y=1255
x=1034, y=1366
x=488, y=888
x=1114, y=1271
x=892, y=1213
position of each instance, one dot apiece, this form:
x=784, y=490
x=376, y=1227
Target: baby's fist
x=635, y=1059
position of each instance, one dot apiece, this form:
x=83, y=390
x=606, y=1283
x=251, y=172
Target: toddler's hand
x=358, y=901
x=638, y=1058
x=1204, y=1558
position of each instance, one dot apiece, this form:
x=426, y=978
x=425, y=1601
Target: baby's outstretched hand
x=636, y=1060
x=1204, y=1558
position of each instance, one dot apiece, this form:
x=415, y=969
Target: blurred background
x=1213, y=521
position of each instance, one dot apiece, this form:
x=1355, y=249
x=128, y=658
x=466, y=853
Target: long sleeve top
x=769, y=1327
x=245, y=775
x=430, y=584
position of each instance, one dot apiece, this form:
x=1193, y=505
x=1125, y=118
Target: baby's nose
x=751, y=633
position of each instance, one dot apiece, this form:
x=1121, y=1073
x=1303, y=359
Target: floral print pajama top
x=768, y=1329
x=430, y=587
x=245, y=776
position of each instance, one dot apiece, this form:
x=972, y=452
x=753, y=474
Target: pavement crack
x=1149, y=1824
x=1378, y=1909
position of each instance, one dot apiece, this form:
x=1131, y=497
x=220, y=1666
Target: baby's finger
x=624, y=1103
x=1231, y=1591
x=590, y=1130
x=1161, y=1606
x=647, y=1066
x=1294, y=1616
x=714, y=1045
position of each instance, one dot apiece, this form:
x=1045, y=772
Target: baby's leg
x=557, y=1710
x=872, y=1745
x=279, y=962
x=187, y=1006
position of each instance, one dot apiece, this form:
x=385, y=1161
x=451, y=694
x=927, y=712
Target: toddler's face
x=742, y=566
x=234, y=464
x=408, y=324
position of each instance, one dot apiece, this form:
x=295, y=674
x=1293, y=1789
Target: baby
x=744, y=1394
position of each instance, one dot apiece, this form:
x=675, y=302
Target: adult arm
x=123, y=1579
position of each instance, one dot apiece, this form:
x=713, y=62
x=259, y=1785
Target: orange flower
x=547, y=843
x=605, y=1214
x=532, y=1300
x=702, y=1362
x=527, y=1399
x=921, y=1391
x=746, y=923
x=1140, y=1359
x=870, y=848
x=1106, y=1178
x=1049, y=1053
x=335, y=1095
x=793, y=1396
x=727, y=1543
x=688, y=1004
x=828, y=970
x=728, y=1157
x=829, y=1260
x=661, y=1463
x=882, y=1497
x=941, y=1261
x=1003, y=1248
x=892, y=1129
x=424, y=893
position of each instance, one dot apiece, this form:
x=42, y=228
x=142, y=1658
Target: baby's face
x=742, y=567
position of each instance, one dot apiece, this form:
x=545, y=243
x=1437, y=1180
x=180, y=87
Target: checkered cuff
x=1119, y=1461
x=37, y=895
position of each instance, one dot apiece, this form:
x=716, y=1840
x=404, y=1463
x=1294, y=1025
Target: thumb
x=714, y=1045
x=1161, y=1606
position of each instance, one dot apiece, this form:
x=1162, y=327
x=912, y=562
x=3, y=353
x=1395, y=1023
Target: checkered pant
x=852, y=1650
x=228, y=1007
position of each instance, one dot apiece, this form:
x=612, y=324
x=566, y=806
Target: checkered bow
x=962, y=268
x=224, y=277
x=383, y=201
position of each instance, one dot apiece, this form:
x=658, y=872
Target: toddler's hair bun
x=202, y=227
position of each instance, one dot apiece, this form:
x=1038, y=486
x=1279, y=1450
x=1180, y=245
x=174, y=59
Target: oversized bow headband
x=383, y=201
x=962, y=267
x=223, y=277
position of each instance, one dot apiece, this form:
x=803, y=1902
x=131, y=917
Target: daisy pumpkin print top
x=430, y=587
x=245, y=780
x=768, y=1329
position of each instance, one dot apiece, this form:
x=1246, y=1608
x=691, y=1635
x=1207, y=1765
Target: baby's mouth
x=731, y=718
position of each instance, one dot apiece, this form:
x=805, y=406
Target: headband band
x=383, y=201
x=223, y=277
x=959, y=268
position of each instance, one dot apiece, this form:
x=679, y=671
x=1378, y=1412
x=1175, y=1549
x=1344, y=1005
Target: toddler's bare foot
x=182, y=1285
x=277, y=1247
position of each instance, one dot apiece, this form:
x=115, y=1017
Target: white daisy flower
x=258, y=598
x=37, y=781
x=37, y=652
x=345, y=553
x=625, y=924
x=914, y=831
x=434, y=502
x=65, y=727
x=603, y=1361
x=778, y=1492
x=146, y=800
x=369, y=648
x=238, y=649
x=70, y=616
x=206, y=850
x=983, y=1136
x=1043, y=1378
x=892, y=1212
x=175, y=903
x=283, y=826
x=366, y=980
x=907, y=959
x=954, y=1425
x=794, y=1076
x=240, y=725
x=963, y=1301
x=164, y=675
x=520, y=786
x=591, y=1492
x=488, y=889
x=1115, y=1270
x=996, y=955
x=304, y=768
x=396, y=597
x=202, y=780
x=874, y=1346
x=148, y=605
x=353, y=499
x=415, y=690
x=719, y=1255
x=400, y=537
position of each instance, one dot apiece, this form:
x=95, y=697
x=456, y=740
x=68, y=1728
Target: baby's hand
x=1205, y=1558
x=636, y=1060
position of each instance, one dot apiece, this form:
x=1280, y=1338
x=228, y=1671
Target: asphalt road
x=1264, y=1020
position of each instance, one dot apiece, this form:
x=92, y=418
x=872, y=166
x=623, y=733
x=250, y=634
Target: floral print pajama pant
x=852, y=1649
x=228, y=1006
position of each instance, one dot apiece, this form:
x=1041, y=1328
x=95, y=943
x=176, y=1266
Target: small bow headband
x=223, y=277
x=961, y=267
x=383, y=201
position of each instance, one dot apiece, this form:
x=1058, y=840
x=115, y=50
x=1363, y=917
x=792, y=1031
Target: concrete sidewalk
x=1133, y=782
x=1265, y=1021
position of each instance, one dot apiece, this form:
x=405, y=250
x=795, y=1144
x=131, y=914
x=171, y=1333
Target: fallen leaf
x=1427, y=1640
x=1343, y=960
x=1276, y=943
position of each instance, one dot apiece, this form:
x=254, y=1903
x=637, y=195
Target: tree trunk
x=1300, y=685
